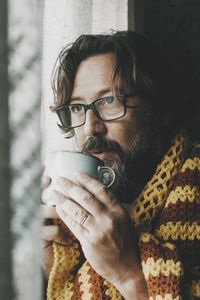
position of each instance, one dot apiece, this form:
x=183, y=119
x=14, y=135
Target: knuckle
x=121, y=214
x=98, y=238
x=78, y=214
x=88, y=198
x=74, y=223
x=110, y=224
x=68, y=185
x=113, y=201
x=114, y=221
x=102, y=189
x=86, y=177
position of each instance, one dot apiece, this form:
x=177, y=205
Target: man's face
x=116, y=140
x=94, y=80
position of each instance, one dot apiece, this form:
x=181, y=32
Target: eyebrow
x=97, y=95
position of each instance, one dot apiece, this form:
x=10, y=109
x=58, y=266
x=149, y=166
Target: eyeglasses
x=106, y=109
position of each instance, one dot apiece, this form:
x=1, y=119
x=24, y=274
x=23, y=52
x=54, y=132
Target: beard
x=137, y=164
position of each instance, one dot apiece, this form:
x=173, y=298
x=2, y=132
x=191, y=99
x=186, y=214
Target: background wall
x=175, y=26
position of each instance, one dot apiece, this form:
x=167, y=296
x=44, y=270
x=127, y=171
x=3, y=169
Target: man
x=122, y=100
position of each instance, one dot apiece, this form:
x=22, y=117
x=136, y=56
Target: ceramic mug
x=66, y=163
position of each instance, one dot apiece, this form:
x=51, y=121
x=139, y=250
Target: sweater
x=166, y=216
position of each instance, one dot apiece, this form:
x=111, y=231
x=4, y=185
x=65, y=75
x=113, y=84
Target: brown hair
x=138, y=62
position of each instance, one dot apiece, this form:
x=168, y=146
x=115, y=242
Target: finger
x=79, y=231
x=55, y=233
x=84, y=198
x=45, y=181
x=72, y=208
x=78, y=213
x=48, y=212
x=57, y=197
x=47, y=198
x=96, y=188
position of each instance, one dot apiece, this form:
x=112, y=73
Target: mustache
x=101, y=144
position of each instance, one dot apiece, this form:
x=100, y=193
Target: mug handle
x=107, y=176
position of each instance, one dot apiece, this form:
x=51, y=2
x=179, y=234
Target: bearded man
x=122, y=100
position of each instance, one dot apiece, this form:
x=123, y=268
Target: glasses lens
x=110, y=108
x=72, y=115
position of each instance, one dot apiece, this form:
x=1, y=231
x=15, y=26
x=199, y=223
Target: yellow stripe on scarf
x=167, y=297
x=183, y=194
x=191, y=164
x=176, y=231
x=160, y=266
x=84, y=280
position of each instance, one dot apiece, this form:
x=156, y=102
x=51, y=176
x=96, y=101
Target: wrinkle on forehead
x=96, y=77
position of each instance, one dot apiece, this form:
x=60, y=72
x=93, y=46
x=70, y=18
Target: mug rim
x=79, y=152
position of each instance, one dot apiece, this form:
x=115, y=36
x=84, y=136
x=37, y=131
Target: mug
x=66, y=163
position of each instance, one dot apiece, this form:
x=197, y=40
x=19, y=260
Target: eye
x=76, y=108
x=109, y=100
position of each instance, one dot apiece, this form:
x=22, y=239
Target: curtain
x=64, y=21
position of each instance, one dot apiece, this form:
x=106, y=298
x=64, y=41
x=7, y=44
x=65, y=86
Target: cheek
x=126, y=130
x=79, y=136
x=122, y=134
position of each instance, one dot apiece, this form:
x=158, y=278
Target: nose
x=93, y=124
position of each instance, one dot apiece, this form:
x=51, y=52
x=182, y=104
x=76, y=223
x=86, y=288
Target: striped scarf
x=166, y=215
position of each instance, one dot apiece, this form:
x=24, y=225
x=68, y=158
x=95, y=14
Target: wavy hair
x=138, y=62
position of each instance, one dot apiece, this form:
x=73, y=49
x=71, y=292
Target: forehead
x=93, y=74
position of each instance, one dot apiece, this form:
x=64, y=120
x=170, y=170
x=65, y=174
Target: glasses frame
x=95, y=111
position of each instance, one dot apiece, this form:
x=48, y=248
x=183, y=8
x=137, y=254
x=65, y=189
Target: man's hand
x=50, y=232
x=105, y=232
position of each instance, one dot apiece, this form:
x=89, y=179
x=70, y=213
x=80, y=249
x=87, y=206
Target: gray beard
x=136, y=166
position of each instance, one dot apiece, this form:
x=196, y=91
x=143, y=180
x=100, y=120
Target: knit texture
x=166, y=215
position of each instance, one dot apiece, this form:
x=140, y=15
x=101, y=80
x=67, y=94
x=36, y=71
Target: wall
x=175, y=26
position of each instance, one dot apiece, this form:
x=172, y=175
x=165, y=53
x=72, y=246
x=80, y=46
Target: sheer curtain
x=24, y=39
x=64, y=21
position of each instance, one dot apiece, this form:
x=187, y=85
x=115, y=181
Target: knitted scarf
x=166, y=215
